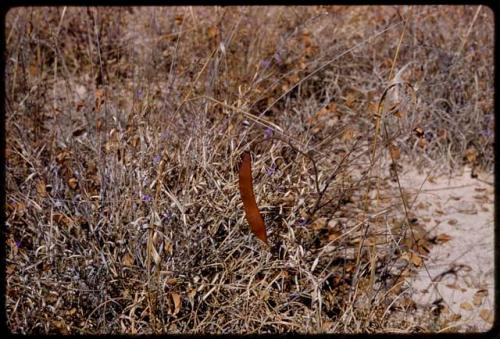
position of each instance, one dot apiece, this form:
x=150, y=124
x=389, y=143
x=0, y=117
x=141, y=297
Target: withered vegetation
x=125, y=127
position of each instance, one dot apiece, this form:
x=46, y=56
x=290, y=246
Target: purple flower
x=268, y=132
x=18, y=243
x=271, y=170
x=277, y=58
x=146, y=198
x=487, y=133
x=167, y=216
x=156, y=159
x=303, y=222
x=265, y=63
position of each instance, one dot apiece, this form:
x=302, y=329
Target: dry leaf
x=397, y=113
x=350, y=99
x=318, y=224
x=452, y=286
x=252, y=213
x=176, y=298
x=99, y=123
x=172, y=281
x=61, y=219
x=348, y=134
x=471, y=155
x=10, y=269
x=135, y=141
x=395, y=152
x=442, y=134
x=372, y=108
x=479, y=296
x=487, y=315
x=332, y=107
x=79, y=106
x=61, y=326
x=423, y=205
x=153, y=252
x=212, y=32
x=416, y=259
x=128, y=260
x=169, y=248
x=73, y=183
x=422, y=142
x=41, y=188
x=333, y=235
x=419, y=132
x=99, y=99
x=466, y=306
x=178, y=19
x=61, y=156
x=33, y=69
x=442, y=238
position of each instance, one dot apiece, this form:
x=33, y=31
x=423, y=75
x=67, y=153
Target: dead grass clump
x=124, y=132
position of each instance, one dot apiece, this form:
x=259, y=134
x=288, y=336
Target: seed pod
x=252, y=213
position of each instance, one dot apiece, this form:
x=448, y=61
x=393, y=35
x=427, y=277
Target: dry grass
x=124, y=132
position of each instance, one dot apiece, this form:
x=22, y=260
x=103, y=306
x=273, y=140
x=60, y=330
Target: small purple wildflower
x=146, y=198
x=156, y=159
x=303, y=222
x=268, y=132
x=167, y=216
x=271, y=170
x=487, y=133
x=265, y=63
x=18, y=243
x=277, y=58
x=138, y=93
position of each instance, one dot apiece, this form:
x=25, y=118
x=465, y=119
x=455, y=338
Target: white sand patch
x=460, y=271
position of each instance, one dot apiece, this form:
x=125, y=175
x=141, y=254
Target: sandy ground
x=455, y=284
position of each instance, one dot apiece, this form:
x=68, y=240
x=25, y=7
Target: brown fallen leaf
x=10, y=269
x=422, y=142
x=487, y=315
x=466, y=306
x=348, y=134
x=479, y=296
x=395, y=152
x=41, y=188
x=416, y=259
x=318, y=224
x=73, y=183
x=176, y=298
x=442, y=238
x=471, y=155
x=252, y=213
x=128, y=260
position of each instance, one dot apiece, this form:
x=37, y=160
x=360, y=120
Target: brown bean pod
x=252, y=213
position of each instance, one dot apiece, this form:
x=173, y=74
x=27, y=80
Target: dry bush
x=125, y=128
